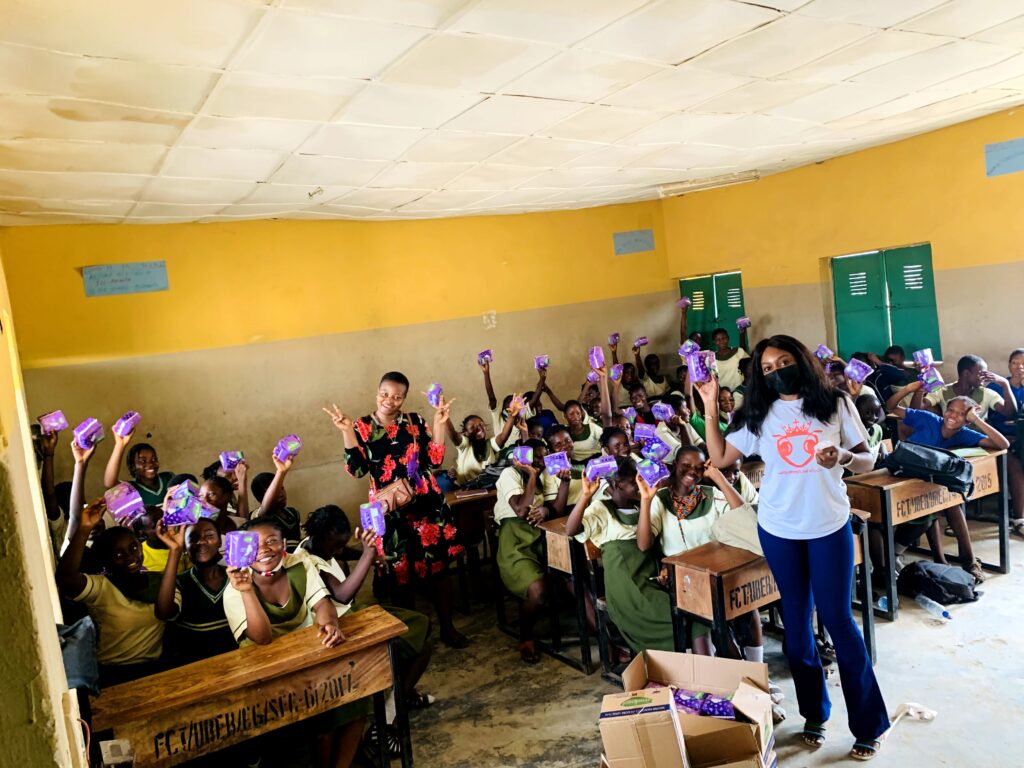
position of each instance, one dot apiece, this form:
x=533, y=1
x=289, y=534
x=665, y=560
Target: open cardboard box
x=642, y=730
x=710, y=741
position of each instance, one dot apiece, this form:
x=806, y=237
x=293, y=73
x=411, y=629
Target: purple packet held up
x=924, y=358
x=287, y=447
x=630, y=413
x=717, y=706
x=613, y=339
x=742, y=323
x=593, y=378
x=230, y=459
x=699, y=366
x=823, y=353
x=685, y=302
x=596, y=357
x=127, y=423
x=187, y=488
x=857, y=370
x=663, y=411
x=371, y=517
x=615, y=372
x=652, y=471
x=124, y=503
x=556, y=462
x=602, y=466
x=689, y=347
x=931, y=379
x=434, y=394
x=644, y=432
x=522, y=454
x=208, y=511
x=486, y=356
x=88, y=433
x=688, y=702
x=655, y=449
x=540, y=362
x=55, y=421
x=240, y=548
x=642, y=341
x=182, y=510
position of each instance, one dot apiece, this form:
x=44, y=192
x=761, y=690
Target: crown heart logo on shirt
x=796, y=443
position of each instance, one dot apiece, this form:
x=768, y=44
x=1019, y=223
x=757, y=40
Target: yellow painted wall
x=928, y=188
x=233, y=284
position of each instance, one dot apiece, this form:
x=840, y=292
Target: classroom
x=511, y=384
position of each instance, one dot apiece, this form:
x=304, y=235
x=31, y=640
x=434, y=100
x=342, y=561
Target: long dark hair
x=820, y=398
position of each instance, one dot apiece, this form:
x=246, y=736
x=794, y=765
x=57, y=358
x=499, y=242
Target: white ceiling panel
x=167, y=189
x=247, y=133
x=362, y=142
x=319, y=171
x=677, y=88
x=250, y=94
x=672, y=31
x=519, y=115
x=964, y=18
x=240, y=164
x=82, y=156
x=418, y=13
x=419, y=175
x=870, y=13
x=580, y=76
x=156, y=86
x=380, y=104
x=469, y=62
x=327, y=46
x=199, y=33
x=457, y=147
x=40, y=117
x=759, y=96
x=563, y=22
x=866, y=54
x=770, y=50
x=933, y=66
x=149, y=111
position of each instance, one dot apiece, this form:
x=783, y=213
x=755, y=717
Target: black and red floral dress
x=420, y=538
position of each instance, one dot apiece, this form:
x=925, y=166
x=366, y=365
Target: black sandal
x=813, y=734
x=417, y=700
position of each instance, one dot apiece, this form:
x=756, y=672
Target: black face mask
x=785, y=381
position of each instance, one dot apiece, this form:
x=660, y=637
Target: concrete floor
x=494, y=711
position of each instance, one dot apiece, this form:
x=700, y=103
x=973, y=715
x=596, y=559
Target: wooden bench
x=203, y=707
x=891, y=500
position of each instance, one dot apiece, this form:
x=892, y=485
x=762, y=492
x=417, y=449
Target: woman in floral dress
x=420, y=540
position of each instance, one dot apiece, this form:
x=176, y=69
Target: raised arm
x=711, y=472
x=346, y=591
x=356, y=463
x=994, y=439
x=70, y=578
x=644, y=532
x=46, y=479
x=720, y=452
x=683, y=333
x=113, y=470
x=523, y=503
x=1009, y=405
x=242, y=475
x=77, y=499
x=607, y=410
x=269, y=503
x=542, y=383
x=452, y=433
x=614, y=349
x=559, y=405
x=513, y=416
x=641, y=372
x=892, y=405
x=174, y=538
x=574, y=524
x=442, y=418
x=492, y=401
x=557, y=506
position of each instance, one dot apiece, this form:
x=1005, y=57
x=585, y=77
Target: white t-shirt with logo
x=799, y=498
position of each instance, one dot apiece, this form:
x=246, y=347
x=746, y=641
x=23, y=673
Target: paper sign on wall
x=117, y=279
x=1004, y=157
x=635, y=241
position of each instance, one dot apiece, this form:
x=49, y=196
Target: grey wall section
x=196, y=404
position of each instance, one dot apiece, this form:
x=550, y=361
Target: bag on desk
x=942, y=583
x=935, y=465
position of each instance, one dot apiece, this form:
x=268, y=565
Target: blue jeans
x=819, y=573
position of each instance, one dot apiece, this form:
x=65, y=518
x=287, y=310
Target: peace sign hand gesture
x=340, y=420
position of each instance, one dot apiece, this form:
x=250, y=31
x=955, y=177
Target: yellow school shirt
x=498, y=422
x=654, y=389
x=682, y=535
x=155, y=560
x=729, y=370
x=129, y=631
x=744, y=487
x=589, y=445
x=983, y=396
x=467, y=466
x=600, y=526
x=512, y=483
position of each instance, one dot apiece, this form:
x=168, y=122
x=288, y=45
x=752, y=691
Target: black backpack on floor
x=936, y=465
x=944, y=584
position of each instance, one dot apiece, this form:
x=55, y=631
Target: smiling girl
x=143, y=466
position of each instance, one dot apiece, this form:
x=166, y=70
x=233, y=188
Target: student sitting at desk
x=607, y=514
x=949, y=432
x=871, y=416
x=585, y=433
x=973, y=376
x=1010, y=427
x=282, y=593
x=526, y=496
x=474, y=450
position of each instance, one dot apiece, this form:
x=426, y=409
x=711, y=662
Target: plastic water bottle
x=935, y=609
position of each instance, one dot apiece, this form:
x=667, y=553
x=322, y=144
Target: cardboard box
x=708, y=740
x=642, y=730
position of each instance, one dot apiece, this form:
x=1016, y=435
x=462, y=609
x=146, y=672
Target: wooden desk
x=206, y=706
x=754, y=470
x=566, y=555
x=891, y=500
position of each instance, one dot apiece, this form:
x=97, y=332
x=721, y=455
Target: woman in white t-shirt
x=807, y=432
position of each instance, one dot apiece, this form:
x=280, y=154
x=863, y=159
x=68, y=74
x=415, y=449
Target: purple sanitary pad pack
x=556, y=462
x=371, y=517
x=88, y=433
x=127, y=423
x=599, y=467
x=124, y=503
x=287, y=447
x=55, y=421
x=240, y=548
